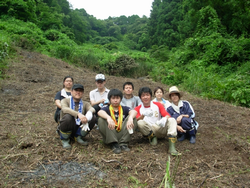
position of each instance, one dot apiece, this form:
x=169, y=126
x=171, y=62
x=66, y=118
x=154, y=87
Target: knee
x=66, y=119
x=101, y=121
x=141, y=124
x=172, y=121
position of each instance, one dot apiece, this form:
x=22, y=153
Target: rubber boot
x=182, y=137
x=79, y=134
x=152, y=138
x=172, y=150
x=192, y=136
x=65, y=139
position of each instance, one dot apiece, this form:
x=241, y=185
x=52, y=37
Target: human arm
x=58, y=103
x=180, y=129
x=65, y=104
x=104, y=115
x=58, y=99
x=179, y=118
x=130, y=122
x=139, y=116
x=93, y=102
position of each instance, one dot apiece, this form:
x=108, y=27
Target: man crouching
x=154, y=121
x=77, y=117
x=115, y=122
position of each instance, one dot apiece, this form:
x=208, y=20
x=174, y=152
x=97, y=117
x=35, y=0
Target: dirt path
x=220, y=158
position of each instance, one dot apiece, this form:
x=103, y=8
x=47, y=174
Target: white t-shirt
x=95, y=95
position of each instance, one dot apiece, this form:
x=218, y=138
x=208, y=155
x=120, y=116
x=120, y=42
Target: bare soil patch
x=28, y=139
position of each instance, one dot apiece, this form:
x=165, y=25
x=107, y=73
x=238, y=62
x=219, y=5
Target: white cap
x=100, y=77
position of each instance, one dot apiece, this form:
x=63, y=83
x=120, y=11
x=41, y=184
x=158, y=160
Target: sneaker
x=182, y=137
x=192, y=139
x=153, y=141
x=124, y=148
x=116, y=148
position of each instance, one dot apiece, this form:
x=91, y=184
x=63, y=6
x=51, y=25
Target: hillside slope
x=220, y=158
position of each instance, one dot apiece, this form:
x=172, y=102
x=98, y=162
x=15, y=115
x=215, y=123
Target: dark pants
x=186, y=124
x=68, y=124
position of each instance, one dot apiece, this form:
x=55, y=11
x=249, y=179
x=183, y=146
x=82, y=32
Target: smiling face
x=68, y=83
x=158, y=94
x=77, y=94
x=128, y=90
x=146, y=99
x=175, y=98
x=115, y=101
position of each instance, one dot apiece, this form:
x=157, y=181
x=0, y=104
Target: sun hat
x=174, y=89
x=77, y=86
x=100, y=77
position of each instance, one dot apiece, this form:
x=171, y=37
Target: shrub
x=120, y=66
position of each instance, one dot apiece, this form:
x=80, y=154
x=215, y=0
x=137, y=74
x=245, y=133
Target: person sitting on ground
x=60, y=95
x=128, y=98
x=184, y=114
x=98, y=97
x=159, y=92
x=154, y=121
x=115, y=122
x=77, y=117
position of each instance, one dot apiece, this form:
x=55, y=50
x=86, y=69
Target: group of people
x=118, y=115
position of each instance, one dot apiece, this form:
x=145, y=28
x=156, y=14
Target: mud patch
x=59, y=171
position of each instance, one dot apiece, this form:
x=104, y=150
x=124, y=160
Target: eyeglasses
x=99, y=82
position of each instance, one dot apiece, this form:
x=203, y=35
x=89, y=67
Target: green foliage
x=111, y=46
x=103, y=40
x=122, y=64
x=4, y=53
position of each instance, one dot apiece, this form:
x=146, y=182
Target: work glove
x=162, y=122
x=85, y=127
x=148, y=113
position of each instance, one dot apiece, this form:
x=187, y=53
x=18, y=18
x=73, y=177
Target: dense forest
x=202, y=46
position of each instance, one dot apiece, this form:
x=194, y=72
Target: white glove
x=148, y=113
x=162, y=122
x=89, y=115
x=85, y=127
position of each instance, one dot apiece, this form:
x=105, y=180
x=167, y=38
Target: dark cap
x=77, y=86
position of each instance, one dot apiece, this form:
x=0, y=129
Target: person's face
x=158, y=94
x=146, y=99
x=68, y=83
x=174, y=97
x=115, y=101
x=77, y=94
x=128, y=89
x=100, y=84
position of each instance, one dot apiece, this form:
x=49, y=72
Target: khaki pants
x=170, y=128
x=109, y=136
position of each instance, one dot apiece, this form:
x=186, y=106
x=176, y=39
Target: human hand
x=148, y=113
x=162, y=122
x=82, y=118
x=85, y=127
x=179, y=119
x=111, y=123
x=130, y=123
x=180, y=129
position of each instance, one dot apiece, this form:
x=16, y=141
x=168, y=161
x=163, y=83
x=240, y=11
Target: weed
x=168, y=179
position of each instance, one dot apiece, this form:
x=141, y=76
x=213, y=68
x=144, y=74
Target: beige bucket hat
x=174, y=89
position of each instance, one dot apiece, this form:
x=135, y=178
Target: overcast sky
x=102, y=9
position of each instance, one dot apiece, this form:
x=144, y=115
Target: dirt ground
x=219, y=158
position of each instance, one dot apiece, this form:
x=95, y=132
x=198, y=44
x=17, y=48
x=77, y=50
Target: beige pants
x=160, y=132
